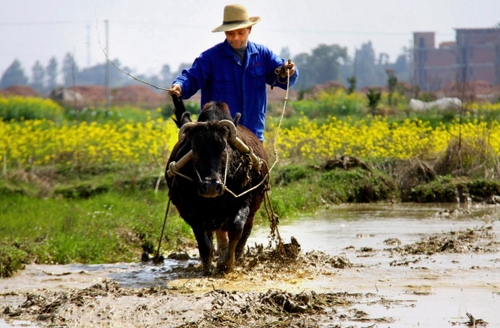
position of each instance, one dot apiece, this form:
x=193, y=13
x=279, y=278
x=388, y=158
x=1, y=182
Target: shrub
x=466, y=157
x=11, y=260
x=113, y=114
x=484, y=188
x=332, y=102
x=19, y=108
x=290, y=173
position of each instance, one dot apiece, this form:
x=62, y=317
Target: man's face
x=238, y=38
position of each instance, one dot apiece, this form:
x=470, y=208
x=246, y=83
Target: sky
x=145, y=35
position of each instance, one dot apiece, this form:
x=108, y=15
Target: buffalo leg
x=235, y=230
x=205, y=248
x=247, y=229
x=222, y=241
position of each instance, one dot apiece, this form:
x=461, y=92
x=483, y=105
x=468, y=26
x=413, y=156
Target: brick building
x=475, y=55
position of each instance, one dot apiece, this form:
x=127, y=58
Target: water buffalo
x=217, y=176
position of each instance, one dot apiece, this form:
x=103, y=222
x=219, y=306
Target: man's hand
x=175, y=89
x=287, y=68
x=290, y=66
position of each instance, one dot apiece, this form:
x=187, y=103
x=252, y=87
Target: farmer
x=236, y=71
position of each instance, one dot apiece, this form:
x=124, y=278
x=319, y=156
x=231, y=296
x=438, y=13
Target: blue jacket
x=221, y=77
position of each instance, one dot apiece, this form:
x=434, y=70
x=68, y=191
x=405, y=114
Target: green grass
x=305, y=188
x=18, y=108
x=108, y=227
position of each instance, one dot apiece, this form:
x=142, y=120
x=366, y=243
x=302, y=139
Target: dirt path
x=442, y=280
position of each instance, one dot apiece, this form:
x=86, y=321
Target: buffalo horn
x=232, y=129
x=174, y=167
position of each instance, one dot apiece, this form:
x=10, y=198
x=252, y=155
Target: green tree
x=369, y=70
x=285, y=53
x=95, y=75
x=14, y=75
x=69, y=70
x=166, y=75
x=38, y=77
x=181, y=67
x=51, y=71
x=306, y=79
x=324, y=64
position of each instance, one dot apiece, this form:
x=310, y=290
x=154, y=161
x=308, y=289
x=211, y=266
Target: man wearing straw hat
x=236, y=71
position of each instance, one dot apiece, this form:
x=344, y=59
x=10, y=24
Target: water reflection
x=368, y=225
x=438, y=289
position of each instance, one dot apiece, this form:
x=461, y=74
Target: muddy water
x=443, y=287
x=400, y=289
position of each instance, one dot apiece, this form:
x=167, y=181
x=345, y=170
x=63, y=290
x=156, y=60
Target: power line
x=88, y=45
x=91, y=21
x=43, y=23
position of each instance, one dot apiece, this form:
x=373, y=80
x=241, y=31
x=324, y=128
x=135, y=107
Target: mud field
x=408, y=267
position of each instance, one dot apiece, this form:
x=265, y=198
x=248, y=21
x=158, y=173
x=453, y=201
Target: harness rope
x=275, y=147
x=272, y=216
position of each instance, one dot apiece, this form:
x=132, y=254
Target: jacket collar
x=228, y=51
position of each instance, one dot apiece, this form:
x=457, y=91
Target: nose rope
x=197, y=174
x=247, y=191
x=225, y=171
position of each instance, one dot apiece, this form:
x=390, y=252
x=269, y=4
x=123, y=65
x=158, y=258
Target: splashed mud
x=360, y=267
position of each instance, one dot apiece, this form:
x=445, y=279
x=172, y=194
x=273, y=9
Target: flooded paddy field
x=375, y=265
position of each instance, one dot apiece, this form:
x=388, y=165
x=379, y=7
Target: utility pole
x=88, y=46
x=355, y=68
x=107, y=66
x=73, y=78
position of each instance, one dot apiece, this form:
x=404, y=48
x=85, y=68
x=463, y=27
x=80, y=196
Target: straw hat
x=236, y=17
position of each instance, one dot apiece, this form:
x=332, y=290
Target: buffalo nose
x=210, y=188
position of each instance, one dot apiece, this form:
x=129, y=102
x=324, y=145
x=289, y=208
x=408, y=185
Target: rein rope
x=275, y=144
x=272, y=216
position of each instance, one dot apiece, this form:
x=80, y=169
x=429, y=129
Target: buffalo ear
x=236, y=119
x=187, y=130
x=185, y=118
